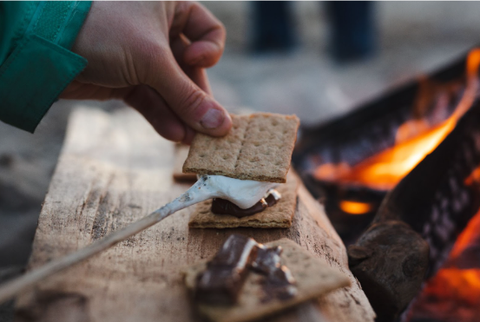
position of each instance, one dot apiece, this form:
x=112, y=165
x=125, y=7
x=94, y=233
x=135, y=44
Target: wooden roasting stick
x=200, y=191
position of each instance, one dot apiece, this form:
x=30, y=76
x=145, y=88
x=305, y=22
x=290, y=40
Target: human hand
x=152, y=55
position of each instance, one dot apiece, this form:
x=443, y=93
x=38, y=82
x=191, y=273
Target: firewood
x=390, y=260
x=419, y=220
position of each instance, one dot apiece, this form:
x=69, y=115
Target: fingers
x=206, y=33
x=187, y=100
x=153, y=108
x=184, y=90
x=189, y=135
x=197, y=75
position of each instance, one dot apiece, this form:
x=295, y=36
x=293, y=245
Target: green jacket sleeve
x=36, y=63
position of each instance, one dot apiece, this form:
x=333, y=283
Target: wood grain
x=113, y=170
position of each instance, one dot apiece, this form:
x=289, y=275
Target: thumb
x=189, y=102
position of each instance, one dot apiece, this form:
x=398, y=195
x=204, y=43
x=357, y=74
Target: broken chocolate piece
x=278, y=282
x=225, y=207
x=221, y=282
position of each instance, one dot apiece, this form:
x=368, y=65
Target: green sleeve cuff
x=40, y=66
x=32, y=78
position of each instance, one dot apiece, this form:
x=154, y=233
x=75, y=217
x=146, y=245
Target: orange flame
x=455, y=284
x=355, y=207
x=467, y=235
x=461, y=284
x=473, y=177
x=385, y=169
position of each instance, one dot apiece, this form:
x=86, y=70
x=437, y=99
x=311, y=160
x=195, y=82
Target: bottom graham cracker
x=278, y=216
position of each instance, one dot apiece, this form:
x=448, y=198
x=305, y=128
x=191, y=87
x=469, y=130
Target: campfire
x=414, y=139
x=402, y=174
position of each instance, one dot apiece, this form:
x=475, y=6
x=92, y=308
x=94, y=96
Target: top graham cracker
x=258, y=147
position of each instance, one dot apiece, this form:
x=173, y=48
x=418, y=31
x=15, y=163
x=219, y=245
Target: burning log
x=374, y=126
x=419, y=220
x=366, y=153
x=433, y=203
x=390, y=261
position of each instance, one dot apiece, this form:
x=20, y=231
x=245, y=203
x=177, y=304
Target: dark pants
x=352, y=34
x=352, y=28
x=272, y=26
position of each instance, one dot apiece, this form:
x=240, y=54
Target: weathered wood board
x=113, y=170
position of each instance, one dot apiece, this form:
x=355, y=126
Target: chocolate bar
x=225, y=207
x=221, y=282
x=278, y=281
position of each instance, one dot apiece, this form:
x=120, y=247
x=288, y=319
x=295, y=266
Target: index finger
x=206, y=33
x=196, y=74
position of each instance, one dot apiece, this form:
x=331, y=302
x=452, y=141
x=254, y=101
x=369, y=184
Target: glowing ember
x=467, y=236
x=384, y=170
x=473, y=177
x=355, y=207
x=461, y=284
x=453, y=293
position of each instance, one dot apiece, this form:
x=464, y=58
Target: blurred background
x=314, y=59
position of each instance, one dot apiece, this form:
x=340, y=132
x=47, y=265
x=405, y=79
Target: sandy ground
x=413, y=38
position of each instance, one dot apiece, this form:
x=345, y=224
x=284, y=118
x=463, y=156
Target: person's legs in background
x=352, y=30
x=272, y=27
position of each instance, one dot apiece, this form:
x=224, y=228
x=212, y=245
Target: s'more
x=258, y=147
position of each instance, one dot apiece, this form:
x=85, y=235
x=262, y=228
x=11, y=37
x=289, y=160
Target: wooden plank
x=113, y=170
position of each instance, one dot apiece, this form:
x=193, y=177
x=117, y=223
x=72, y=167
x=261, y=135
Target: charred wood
x=426, y=210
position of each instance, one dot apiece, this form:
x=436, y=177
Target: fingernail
x=212, y=119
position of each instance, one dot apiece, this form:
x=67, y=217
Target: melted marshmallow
x=243, y=193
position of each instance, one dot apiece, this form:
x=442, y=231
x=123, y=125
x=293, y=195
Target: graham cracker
x=258, y=147
x=279, y=215
x=314, y=278
x=180, y=155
